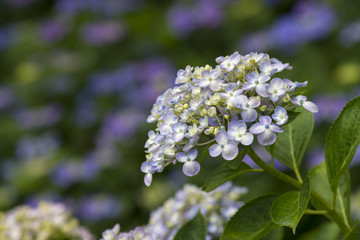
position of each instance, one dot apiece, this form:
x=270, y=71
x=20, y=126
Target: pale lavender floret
x=289, y=85
x=230, y=95
x=266, y=131
x=280, y=116
x=302, y=101
x=229, y=63
x=179, y=131
x=183, y=75
x=274, y=66
x=210, y=79
x=237, y=132
x=257, y=81
x=276, y=89
x=190, y=167
x=146, y=168
x=152, y=135
x=192, y=142
x=169, y=119
x=224, y=146
x=249, y=114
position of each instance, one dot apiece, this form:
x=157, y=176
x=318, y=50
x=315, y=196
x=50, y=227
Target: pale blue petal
x=249, y=115
x=247, y=139
x=181, y=157
x=230, y=151
x=192, y=154
x=263, y=78
x=275, y=128
x=215, y=150
x=261, y=90
x=257, y=128
x=254, y=102
x=310, y=107
x=191, y=168
x=222, y=137
x=252, y=77
x=240, y=100
x=266, y=138
x=265, y=120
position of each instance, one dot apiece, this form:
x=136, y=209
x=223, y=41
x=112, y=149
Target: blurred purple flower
x=350, y=34
x=29, y=147
x=52, y=30
x=102, y=33
x=183, y=19
x=69, y=172
x=255, y=42
x=308, y=21
x=329, y=107
x=119, y=126
x=19, y=3
x=98, y=207
x=7, y=36
x=39, y=117
x=6, y=97
x=100, y=7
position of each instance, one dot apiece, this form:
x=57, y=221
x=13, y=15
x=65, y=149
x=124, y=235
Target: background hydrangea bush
x=78, y=79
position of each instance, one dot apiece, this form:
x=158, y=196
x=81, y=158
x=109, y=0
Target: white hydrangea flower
x=207, y=101
x=217, y=207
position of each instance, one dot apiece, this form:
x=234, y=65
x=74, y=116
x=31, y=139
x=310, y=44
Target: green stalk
x=330, y=212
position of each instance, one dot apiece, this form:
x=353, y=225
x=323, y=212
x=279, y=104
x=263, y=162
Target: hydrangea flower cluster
x=229, y=104
x=46, y=221
x=217, y=207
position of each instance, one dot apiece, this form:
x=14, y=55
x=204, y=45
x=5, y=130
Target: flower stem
x=282, y=176
x=330, y=212
x=315, y=212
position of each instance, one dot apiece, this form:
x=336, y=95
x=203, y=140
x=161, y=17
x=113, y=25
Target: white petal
x=310, y=106
x=249, y=115
x=247, y=139
x=148, y=179
x=230, y=151
x=191, y=168
x=215, y=150
x=266, y=138
x=222, y=137
x=257, y=128
x=177, y=137
x=181, y=157
x=248, y=86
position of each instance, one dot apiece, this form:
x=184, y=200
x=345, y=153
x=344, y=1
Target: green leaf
x=276, y=234
x=224, y=173
x=292, y=115
x=342, y=141
x=291, y=144
x=328, y=231
x=288, y=208
x=195, y=229
x=321, y=185
x=354, y=233
x=204, y=154
x=252, y=221
x=234, y=163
